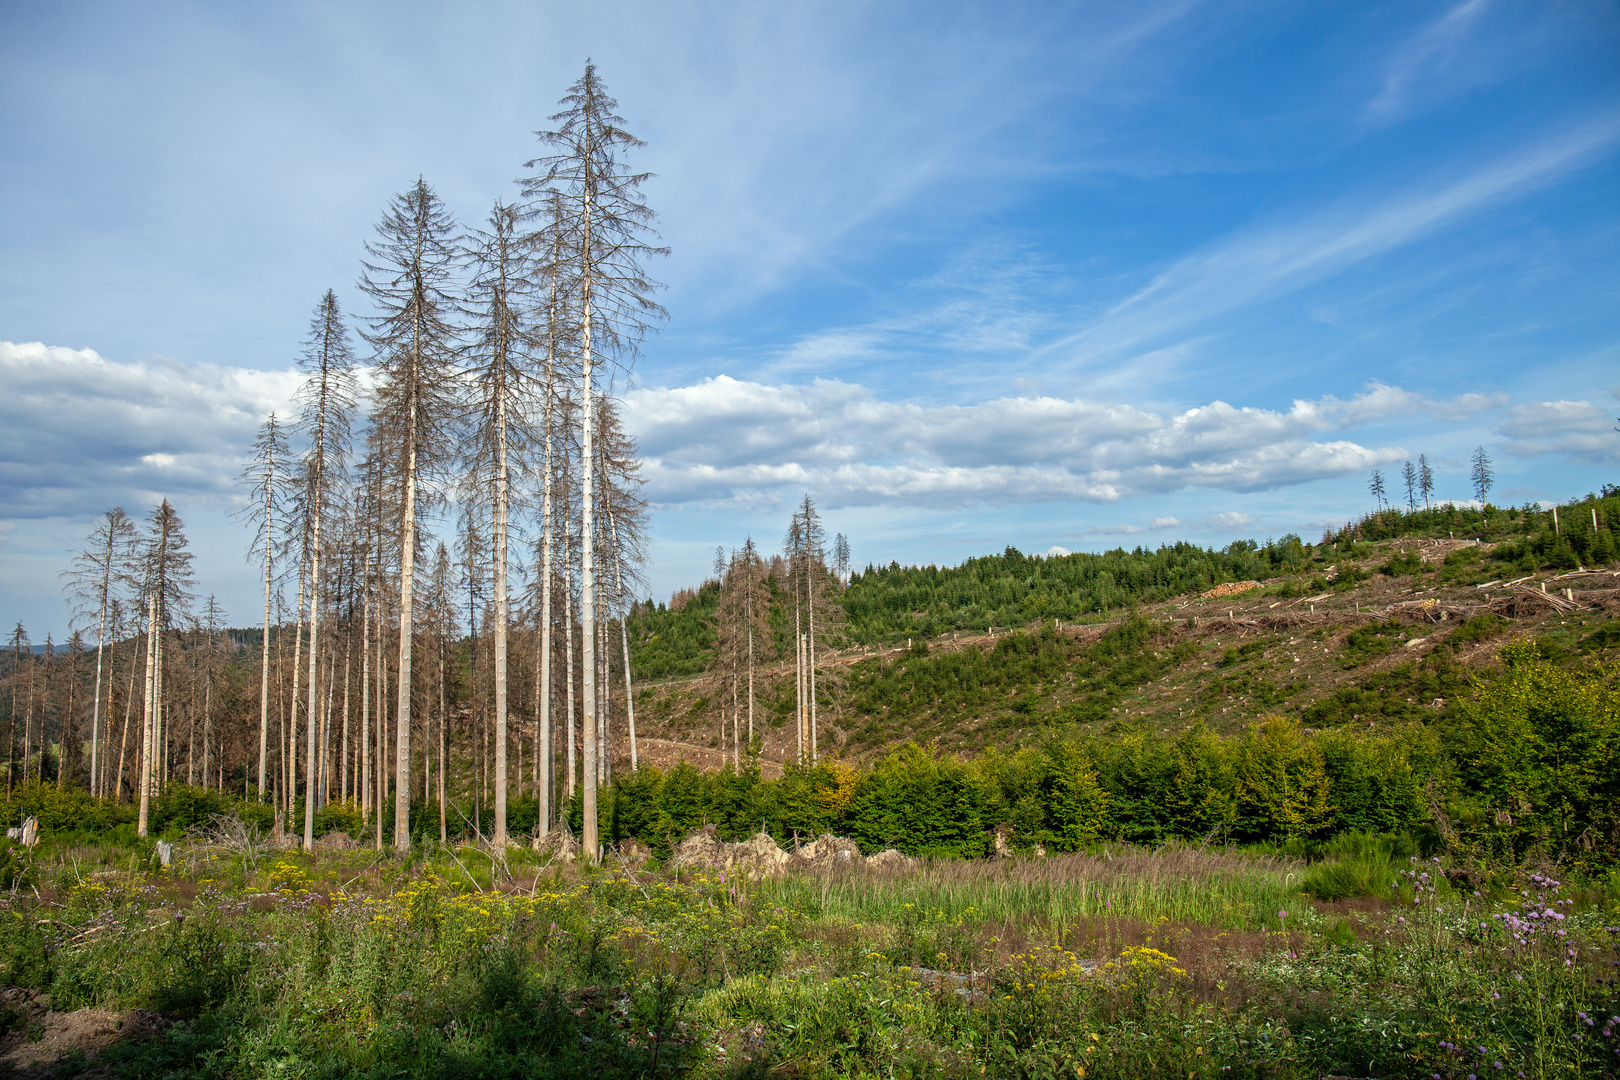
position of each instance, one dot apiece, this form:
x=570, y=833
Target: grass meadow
x=1129, y=962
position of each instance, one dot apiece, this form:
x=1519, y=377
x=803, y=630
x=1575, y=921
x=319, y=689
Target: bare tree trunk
x=587, y=557
x=798, y=677
x=568, y=662
x=499, y=839
x=810, y=660
x=348, y=672
x=129, y=709
x=444, y=716
x=544, y=755
x=101, y=637
x=208, y=708
x=750, y=662
x=444, y=789
x=364, y=778
x=312, y=762
x=382, y=719
x=292, y=712
x=146, y=727
x=325, y=743
x=407, y=571
x=624, y=640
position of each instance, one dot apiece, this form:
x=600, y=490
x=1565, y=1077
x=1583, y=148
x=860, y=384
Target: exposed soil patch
x=36, y=1041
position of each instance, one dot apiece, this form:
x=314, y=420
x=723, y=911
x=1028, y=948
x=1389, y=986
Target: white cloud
x=1232, y=519
x=1580, y=430
x=726, y=439
x=1226, y=522
x=78, y=431
x=1058, y=552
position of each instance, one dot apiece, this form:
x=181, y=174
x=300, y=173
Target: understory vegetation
x=1124, y=962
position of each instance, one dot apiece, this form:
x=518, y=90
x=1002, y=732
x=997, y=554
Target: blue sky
x=1048, y=275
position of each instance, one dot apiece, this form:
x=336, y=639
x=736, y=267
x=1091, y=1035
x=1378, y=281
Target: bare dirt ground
x=39, y=1041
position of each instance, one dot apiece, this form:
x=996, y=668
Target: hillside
x=1384, y=623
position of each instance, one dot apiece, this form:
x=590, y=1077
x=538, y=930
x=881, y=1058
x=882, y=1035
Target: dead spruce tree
x=100, y=572
x=817, y=623
x=410, y=276
x=623, y=538
x=745, y=628
x=498, y=302
x=266, y=479
x=166, y=584
x=326, y=408
x=607, y=227
x=550, y=339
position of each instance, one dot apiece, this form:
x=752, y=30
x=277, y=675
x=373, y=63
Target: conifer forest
x=461, y=798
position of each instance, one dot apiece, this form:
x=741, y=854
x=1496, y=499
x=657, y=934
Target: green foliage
x=1419, y=692
x=1012, y=589
x=1402, y=563
x=178, y=808
x=344, y=817
x=922, y=804
x=63, y=810
x=1372, y=641
x=888, y=604
x=1468, y=556
x=668, y=643
x=1237, y=654
x=1479, y=628
x=1606, y=636
x=16, y=868
x=1539, y=757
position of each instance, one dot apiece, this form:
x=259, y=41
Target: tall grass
x=1231, y=890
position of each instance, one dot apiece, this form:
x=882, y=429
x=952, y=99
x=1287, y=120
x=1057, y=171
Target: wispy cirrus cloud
x=1263, y=264
x=1424, y=58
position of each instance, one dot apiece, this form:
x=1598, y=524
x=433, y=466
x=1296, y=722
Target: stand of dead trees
x=373, y=682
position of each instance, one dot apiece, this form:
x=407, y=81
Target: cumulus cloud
x=78, y=431
x=725, y=439
x=1581, y=430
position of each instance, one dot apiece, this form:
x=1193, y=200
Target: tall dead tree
x=745, y=621
x=166, y=583
x=551, y=339
x=99, y=572
x=266, y=479
x=817, y=618
x=624, y=537
x=501, y=277
x=608, y=226
x=410, y=277
x=326, y=400
x=22, y=660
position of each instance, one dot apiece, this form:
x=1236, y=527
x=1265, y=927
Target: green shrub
x=1403, y=563
x=59, y=810
x=1372, y=641
x=344, y=817
x=1479, y=628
